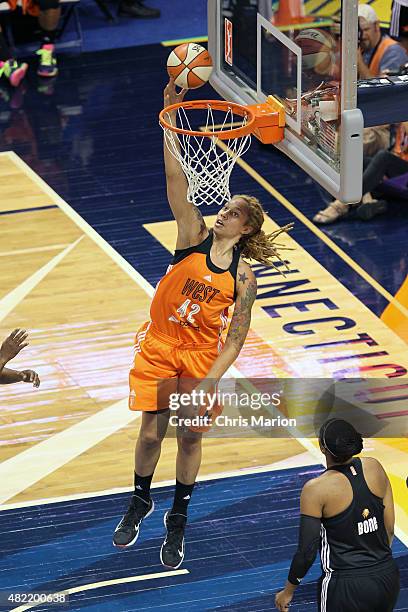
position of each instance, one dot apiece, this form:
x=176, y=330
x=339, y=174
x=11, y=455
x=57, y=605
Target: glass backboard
x=305, y=55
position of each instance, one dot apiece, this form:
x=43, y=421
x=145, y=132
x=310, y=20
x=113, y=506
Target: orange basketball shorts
x=163, y=366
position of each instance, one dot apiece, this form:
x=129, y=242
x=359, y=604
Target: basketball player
x=10, y=348
x=350, y=510
x=182, y=341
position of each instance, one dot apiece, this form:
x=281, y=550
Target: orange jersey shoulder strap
x=205, y=247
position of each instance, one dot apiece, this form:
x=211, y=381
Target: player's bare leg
x=148, y=445
x=187, y=466
x=188, y=458
x=147, y=453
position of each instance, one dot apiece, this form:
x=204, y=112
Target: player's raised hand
x=29, y=376
x=171, y=96
x=13, y=344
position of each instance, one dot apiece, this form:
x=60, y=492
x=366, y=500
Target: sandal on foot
x=334, y=211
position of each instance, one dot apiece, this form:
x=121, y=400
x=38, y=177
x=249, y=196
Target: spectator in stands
x=399, y=22
x=384, y=164
x=9, y=67
x=12, y=345
x=377, y=53
x=136, y=8
x=48, y=13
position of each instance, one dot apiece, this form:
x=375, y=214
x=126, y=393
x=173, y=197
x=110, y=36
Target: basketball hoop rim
x=222, y=105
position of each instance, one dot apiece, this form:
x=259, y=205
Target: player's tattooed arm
x=199, y=221
x=241, y=319
x=240, y=322
x=242, y=277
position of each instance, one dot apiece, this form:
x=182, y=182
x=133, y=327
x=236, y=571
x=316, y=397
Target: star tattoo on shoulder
x=242, y=277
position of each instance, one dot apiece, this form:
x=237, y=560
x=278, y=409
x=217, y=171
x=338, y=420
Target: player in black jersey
x=349, y=511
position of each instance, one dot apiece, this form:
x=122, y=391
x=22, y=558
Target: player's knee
x=189, y=444
x=382, y=154
x=150, y=439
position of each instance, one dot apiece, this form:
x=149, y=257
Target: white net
x=207, y=166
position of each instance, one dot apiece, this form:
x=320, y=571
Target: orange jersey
x=191, y=301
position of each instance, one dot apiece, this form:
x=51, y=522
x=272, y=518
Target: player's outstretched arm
x=12, y=345
x=240, y=322
x=10, y=348
x=190, y=223
x=8, y=377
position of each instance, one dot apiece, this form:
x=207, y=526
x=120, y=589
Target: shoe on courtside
x=127, y=532
x=48, y=63
x=135, y=8
x=14, y=71
x=172, y=550
x=368, y=210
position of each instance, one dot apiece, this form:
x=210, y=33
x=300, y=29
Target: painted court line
x=26, y=210
x=49, y=455
x=83, y=225
x=14, y=297
x=296, y=461
x=51, y=247
x=107, y=583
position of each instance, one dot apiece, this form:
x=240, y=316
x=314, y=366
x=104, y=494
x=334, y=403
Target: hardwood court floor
x=82, y=309
x=240, y=539
x=81, y=280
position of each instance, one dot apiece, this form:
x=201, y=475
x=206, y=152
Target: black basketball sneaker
x=172, y=550
x=127, y=531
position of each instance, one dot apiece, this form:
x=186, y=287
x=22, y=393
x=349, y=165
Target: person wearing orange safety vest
x=378, y=53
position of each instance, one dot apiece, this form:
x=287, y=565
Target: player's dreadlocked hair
x=258, y=245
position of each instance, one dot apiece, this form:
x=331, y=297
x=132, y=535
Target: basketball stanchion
x=208, y=168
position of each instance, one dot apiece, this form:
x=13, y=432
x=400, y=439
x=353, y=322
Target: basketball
x=190, y=65
x=317, y=50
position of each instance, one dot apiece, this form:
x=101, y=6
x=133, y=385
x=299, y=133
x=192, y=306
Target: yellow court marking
x=330, y=356
x=394, y=317
x=180, y=41
x=308, y=280
x=323, y=237
x=106, y=583
x=381, y=7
